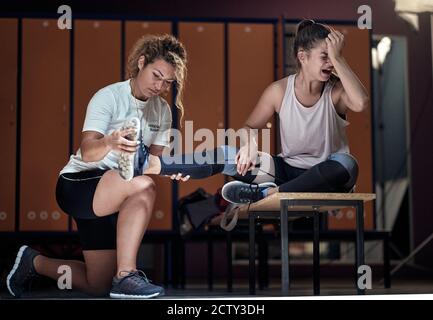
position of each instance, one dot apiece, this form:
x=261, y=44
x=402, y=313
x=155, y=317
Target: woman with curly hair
x=112, y=210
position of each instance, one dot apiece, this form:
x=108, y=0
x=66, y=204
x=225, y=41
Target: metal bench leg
x=316, y=253
x=229, y=262
x=265, y=263
x=166, y=263
x=386, y=264
x=210, y=260
x=262, y=262
x=360, y=259
x=252, y=253
x=284, y=248
x=182, y=266
x=175, y=253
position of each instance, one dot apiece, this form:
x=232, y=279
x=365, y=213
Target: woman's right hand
x=246, y=158
x=117, y=141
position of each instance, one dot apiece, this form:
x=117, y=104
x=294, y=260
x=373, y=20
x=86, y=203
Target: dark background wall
x=385, y=21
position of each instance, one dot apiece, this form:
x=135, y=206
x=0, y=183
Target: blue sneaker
x=22, y=271
x=135, y=285
x=240, y=192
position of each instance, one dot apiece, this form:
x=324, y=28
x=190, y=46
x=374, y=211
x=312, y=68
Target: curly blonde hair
x=167, y=48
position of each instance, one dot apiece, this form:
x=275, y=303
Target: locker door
x=96, y=64
x=44, y=122
x=357, y=53
x=204, y=95
x=8, y=117
x=251, y=70
x=162, y=211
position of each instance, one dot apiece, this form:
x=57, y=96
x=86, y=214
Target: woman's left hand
x=335, y=43
x=179, y=177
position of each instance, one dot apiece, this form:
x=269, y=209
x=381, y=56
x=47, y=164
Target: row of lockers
x=95, y=56
x=227, y=71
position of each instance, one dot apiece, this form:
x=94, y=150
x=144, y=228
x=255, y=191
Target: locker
x=357, y=53
x=8, y=125
x=251, y=70
x=162, y=212
x=97, y=48
x=204, y=95
x=96, y=64
x=44, y=122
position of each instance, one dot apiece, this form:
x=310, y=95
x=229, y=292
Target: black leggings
x=336, y=174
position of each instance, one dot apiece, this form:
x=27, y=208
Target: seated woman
x=312, y=105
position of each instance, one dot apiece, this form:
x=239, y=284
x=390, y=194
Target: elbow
x=85, y=157
x=363, y=104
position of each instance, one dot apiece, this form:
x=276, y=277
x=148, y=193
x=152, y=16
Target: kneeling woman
x=111, y=213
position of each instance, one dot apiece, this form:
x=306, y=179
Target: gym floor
x=299, y=287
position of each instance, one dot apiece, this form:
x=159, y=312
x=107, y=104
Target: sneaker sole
x=131, y=296
x=126, y=159
x=229, y=184
x=14, y=269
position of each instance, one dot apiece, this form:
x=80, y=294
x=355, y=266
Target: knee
x=229, y=153
x=99, y=290
x=349, y=163
x=143, y=184
x=226, y=156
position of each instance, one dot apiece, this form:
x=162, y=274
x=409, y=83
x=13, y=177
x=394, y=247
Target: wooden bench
x=289, y=206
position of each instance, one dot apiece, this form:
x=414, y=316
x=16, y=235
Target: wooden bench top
x=272, y=203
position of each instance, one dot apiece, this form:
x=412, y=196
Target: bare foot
x=154, y=166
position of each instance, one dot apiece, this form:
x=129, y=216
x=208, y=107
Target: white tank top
x=310, y=135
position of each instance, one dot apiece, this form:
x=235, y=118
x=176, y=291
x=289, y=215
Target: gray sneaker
x=22, y=271
x=240, y=192
x=126, y=160
x=135, y=285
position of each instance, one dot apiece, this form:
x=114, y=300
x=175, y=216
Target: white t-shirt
x=107, y=111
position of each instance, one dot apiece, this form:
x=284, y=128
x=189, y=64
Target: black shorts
x=74, y=195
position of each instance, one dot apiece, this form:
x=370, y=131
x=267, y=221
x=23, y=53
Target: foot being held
x=126, y=160
x=240, y=192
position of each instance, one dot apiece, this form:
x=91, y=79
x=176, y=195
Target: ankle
x=124, y=272
x=154, y=166
x=37, y=263
x=272, y=191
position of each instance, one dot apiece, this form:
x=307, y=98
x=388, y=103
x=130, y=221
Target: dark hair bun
x=305, y=23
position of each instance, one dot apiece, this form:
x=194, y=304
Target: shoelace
x=252, y=192
x=140, y=274
x=249, y=192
